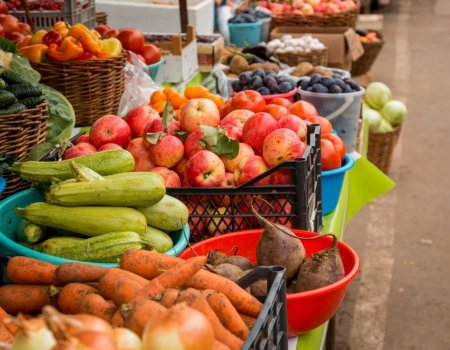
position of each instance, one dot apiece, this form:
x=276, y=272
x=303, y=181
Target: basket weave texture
x=381, y=148
x=315, y=57
x=101, y=18
x=18, y=134
x=371, y=50
x=93, y=87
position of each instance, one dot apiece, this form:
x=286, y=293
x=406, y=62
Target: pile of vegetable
x=383, y=113
x=10, y=27
x=250, y=16
x=96, y=218
x=328, y=85
x=160, y=299
x=16, y=94
x=265, y=82
x=288, y=44
x=307, y=69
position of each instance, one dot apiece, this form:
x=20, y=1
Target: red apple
x=180, y=167
x=281, y=145
x=237, y=118
x=79, y=150
x=295, y=124
x=167, y=152
x=170, y=177
x=199, y=111
x=137, y=147
x=192, y=143
x=143, y=163
x=245, y=151
x=205, y=169
x=281, y=177
x=228, y=180
x=218, y=224
x=249, y=169
x=110, y=129
x=196, y=222
x=139, y=117
x=276, y=111
x=107, y=146
x=233, y=132
x=82, y=139
x=256, y=128
x=156, y=125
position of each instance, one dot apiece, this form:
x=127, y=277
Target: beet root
x=259, y=289
x=278, y=246
x=216, y=257
x=232, y=272
x=239, y=261
x=321, y=269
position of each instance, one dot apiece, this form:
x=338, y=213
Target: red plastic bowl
x=306, y=310
x=269, y=98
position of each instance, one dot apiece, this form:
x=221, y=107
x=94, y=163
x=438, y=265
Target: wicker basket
x=381, y=148
x=18, y=134
x=371, y=50
x=315, y=57
x=101, y=18
x=93, y=87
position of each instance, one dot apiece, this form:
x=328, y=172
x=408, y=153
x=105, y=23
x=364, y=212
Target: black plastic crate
x=214, y=211
x=270, y=329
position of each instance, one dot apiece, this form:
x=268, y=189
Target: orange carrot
x=125, y=291
x=24, y=270
x=248, y=320
x=5, y=335
x=169, y=296
x=79, y=272
x=70, y=296
x=219, y=346
x=228, y=315
x=197, y=300
x=117, y=319
x=7, y=320
x=137, y=314
x=94, y=304
x=109, y=281
x=150, y=264
x=29, y=299
x=175, y=277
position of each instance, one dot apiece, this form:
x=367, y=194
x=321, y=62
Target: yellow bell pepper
x=37, y=37
x=88, y=39
x=34, y=53
x=112, y=46
x=62, y=28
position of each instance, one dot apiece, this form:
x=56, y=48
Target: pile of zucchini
x=96, y=218
x=16, y=94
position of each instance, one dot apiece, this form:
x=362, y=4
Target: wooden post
x=27, y=14
x=184, y=19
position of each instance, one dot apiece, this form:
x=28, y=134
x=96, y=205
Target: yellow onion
x=126, y=339
x=33, y=334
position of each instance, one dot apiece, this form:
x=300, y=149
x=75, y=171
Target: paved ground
x=401, y=299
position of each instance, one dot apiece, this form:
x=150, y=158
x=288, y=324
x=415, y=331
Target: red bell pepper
x=52, y=37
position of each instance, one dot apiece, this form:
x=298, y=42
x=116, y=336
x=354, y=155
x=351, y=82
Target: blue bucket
x=332, y=183
x=9, y=222
x=245, y=34
x=2, y=184
x=152, y=69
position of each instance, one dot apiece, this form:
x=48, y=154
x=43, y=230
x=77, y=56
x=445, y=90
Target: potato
x=303, y=69
x=238, y=64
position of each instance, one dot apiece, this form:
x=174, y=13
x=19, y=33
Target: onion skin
x=33, y=335
x=92, y=340
x=126, y=339
x=181, y=328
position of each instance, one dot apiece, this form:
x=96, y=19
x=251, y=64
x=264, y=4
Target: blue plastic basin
x=9, y=222
x=152, y=69
x=2, y=184
x=332, y=184
x=245, y=34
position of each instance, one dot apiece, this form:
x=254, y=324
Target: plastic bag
x=224, y=14
x=222, y=81
x=139, y=86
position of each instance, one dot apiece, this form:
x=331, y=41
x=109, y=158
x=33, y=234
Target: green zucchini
x=6, y=99
x=83, y=174
x=157, y=240
x=15, y=108
x=24, y=90
x=169, y=214
x=28, y=232
x=11, y=78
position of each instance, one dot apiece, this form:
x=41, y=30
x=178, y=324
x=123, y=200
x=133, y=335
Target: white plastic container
x=161, y=16
x=342, y=110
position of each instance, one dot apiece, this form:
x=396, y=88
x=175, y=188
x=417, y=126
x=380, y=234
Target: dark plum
x=353, y=85
x=320, y=88
x=347, y=89
x=244, y=78
x=271, y=73
x=245, y=87
x=285, y=87
x=256, y=82
x=315, y=78
x=327, y=81
x=263, y=91
x=259, y=72
x=271, y=83
x=335, y=89
x=304, y=84
x=236, y=86
x=340, y=83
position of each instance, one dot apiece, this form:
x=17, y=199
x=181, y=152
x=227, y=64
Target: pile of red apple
x=211, y=148
x=309, y=7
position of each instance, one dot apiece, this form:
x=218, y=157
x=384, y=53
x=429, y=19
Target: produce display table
x=363, y=184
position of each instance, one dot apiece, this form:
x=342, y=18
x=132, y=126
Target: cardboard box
x=180, y=57
x=342, y=43
x=210, y=51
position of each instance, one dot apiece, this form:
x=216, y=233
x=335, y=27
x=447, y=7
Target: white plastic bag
x=224, y=14
x=139, y=86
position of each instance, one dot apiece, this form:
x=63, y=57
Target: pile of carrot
x=145, y=285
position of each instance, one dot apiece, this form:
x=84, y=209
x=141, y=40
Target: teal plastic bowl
x=245, y=34
x=152, y=69
x=332, y=184
x=2, y=184
x=9, y=222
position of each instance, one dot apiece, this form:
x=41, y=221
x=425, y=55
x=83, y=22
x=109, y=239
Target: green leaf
x=154, y=137
x=182, y=135
x=7, y=45
x=39, y=151
x=21, y=66
x=210, y=135
x=5, y=162
x=167, y=114
x=227, y=147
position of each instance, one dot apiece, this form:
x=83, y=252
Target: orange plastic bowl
x=306, y=310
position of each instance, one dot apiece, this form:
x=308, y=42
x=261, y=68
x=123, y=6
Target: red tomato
x=10, y=24
x=280, y=101
x=14, y=36
x=103, y=28
x=248, y=99
x=303, y=109
x=331, y=158
x=338, y=144
x=139, y=56
x=24, y=28
x=131, y=39
x=276, y=111
x=150, y=53
x=3, y=7
x=2, y=31
x=325, y=125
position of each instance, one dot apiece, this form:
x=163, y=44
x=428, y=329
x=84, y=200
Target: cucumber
x=12, y=78
x=27, y=232
x=105, y=163
x=88, y=221
x=14, y=109
x=31, y=102
x=156, y=239
x=6, y=99
x=2, y=83
x=169, y=214
x=24, y=90
x=108, y=247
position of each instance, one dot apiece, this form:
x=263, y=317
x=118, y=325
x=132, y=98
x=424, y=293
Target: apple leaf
x=167, y=114
x=227, y=147
x=154, y=137
x=210, y=135
x=182, y=135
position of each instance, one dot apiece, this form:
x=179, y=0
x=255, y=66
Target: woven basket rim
x=24, y=111
x=320, y=14
x=395, y=130
x=80, y=63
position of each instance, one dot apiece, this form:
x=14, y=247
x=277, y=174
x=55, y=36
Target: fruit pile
x=11, y=28
x=307, y=69
x=264, y=82
x=36, y=5
x=367, y=36
x=249, y=16
x=287, y=43
x=309, y=7
x=64, y=42
x=328, y=85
